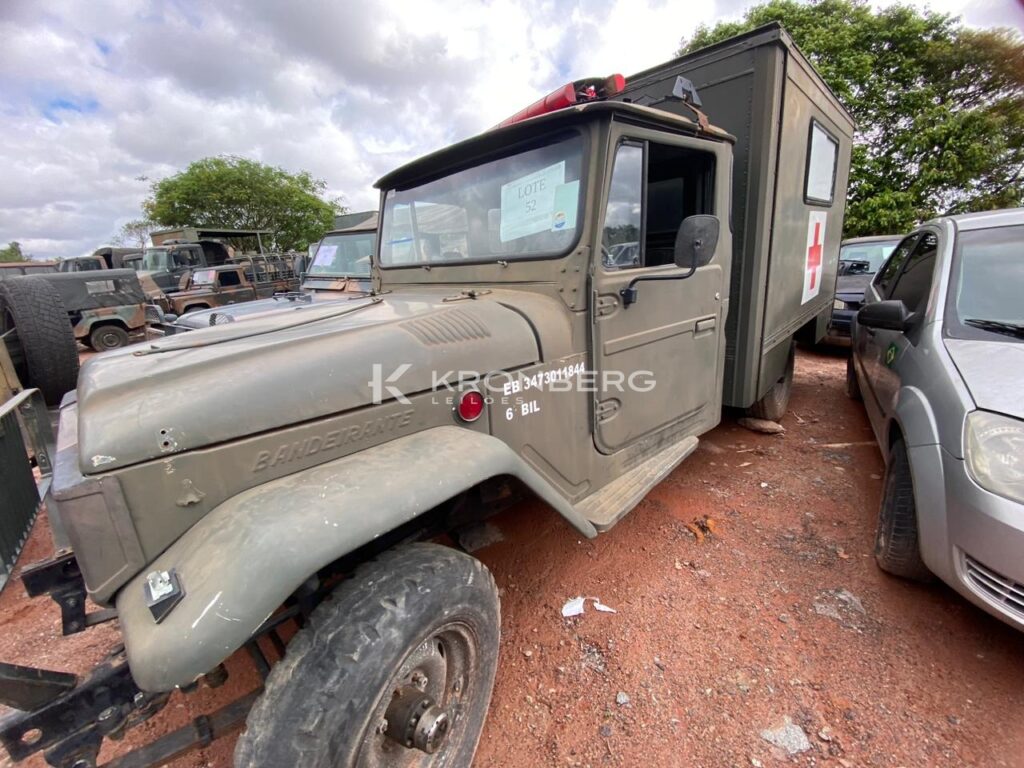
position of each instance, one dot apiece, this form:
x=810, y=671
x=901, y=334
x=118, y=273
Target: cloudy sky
x=99, y=98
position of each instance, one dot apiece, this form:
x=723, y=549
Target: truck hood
x=995, y=386
x=225, y=382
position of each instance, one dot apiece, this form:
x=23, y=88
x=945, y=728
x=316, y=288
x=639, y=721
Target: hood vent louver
x=448, y=327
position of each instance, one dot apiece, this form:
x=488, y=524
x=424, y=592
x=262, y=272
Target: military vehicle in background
x=176, y=252
x=338, y=269
x=19, y=268
x=498, y=353
x=243, y=279
x=106, y=257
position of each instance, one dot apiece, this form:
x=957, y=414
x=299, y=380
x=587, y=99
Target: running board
x=604, y=508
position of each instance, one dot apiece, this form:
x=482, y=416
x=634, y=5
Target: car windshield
x=988, y=282
x=154, y=259
x=204, y=277
x=517, y=207
x=865, y=258
x=344, y=255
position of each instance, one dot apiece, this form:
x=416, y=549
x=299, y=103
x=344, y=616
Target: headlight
x=838, y=304
x=994, y=449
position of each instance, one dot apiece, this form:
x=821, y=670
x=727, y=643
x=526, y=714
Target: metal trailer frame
x=763, y=90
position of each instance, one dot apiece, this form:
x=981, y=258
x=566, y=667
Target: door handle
x=707, y=324
x=869, y=331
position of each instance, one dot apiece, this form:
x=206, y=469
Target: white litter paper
x=577, y=605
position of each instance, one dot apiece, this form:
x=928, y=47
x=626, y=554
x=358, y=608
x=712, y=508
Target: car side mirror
x=890, y=315
x=696, y=241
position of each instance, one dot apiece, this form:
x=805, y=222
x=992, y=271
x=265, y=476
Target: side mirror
x=890, y=315
x=696, y=241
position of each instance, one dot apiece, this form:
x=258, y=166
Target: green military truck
x=504, y=348
x=105, y=257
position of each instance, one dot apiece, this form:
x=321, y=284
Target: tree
x=12, y=252
x=237, y=193
x=134, y=233
x=939, y=107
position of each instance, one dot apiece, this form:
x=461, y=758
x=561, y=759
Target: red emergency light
x=576, y=92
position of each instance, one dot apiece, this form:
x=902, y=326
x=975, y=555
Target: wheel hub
x=415, y=721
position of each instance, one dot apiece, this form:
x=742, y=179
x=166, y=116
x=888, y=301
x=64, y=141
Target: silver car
x=938, y=358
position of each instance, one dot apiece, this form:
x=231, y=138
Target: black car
x=859, y=259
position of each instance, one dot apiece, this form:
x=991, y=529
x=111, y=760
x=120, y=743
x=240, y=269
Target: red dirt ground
x=717, y=637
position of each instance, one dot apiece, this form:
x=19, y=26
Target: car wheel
x=106, y=337
x=775, y=401
x=42, y=346
x=395, y=668
x=852, y=385
x=897, y=550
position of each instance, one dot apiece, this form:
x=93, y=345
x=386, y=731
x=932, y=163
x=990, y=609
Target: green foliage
x=939, y=107
x=237, y=193
x=12, y=252
x=134, y=233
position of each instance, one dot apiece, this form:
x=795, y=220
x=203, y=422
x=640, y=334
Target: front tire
x=897, y=548
x=419, y=622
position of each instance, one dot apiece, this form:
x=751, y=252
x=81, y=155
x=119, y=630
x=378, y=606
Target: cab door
x=659, y=361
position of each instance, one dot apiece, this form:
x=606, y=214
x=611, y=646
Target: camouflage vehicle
x=18, y=268
x=107, y=309
x=102, y=258
x=245, y=279
x=500, y=351
x=339, y=269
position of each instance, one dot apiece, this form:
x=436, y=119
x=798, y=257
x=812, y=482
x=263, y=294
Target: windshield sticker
x=564, y=215
x=325, y=255
x=527, y=204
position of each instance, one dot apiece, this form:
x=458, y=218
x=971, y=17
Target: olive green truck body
x=561, y=305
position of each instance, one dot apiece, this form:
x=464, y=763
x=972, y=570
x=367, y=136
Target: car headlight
x=838, y=304
x=994, y=449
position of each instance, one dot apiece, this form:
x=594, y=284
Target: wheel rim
x=108, y=340
x=439, y=671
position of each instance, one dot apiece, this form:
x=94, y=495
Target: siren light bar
x=576, y=92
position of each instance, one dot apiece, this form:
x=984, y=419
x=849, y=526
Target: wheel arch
x=914, y=421
x=248, y=555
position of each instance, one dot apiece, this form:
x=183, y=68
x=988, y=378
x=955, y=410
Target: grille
x=1003, y=591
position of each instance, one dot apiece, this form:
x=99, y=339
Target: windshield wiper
x=997, y=326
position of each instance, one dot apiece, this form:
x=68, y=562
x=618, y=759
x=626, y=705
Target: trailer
x=791, y=166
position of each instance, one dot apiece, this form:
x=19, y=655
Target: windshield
x=518, y=207
x=868, y=256
x=154, y=259
x=204, y=277
x=988, y=282
x=346, y=255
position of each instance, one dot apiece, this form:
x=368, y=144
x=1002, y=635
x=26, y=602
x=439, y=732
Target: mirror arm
x=629, y=293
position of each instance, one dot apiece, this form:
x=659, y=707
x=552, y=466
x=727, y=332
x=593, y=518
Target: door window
x=887, y=274
x=620, y=239
x=648, y=201
x=229, y=278
x=822, y=157
x=916, y=279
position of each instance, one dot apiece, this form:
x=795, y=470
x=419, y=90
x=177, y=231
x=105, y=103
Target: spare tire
x=42, y=346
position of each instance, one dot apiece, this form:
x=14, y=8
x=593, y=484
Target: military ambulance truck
x=552, y=313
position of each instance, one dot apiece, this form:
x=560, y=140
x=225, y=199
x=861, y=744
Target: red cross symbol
x=814, y=255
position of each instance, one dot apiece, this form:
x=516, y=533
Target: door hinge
x=607, y=408
x=605, y=305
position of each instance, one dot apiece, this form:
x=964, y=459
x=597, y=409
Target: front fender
x=244, y=558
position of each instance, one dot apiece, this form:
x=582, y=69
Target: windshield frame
x=547, y=138
x=952, y=327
